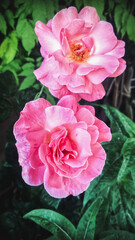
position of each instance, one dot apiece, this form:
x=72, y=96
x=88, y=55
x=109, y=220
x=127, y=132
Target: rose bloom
x=59, y=146
x=79, y=52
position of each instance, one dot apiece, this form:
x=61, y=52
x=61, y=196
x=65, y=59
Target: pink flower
x=60, y=145
x=79, y=52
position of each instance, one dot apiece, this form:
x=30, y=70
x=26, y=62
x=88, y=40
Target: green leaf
x=131, y=28
x=28, y=37
x=50, y=9
x=78, y=4
x=10, y=17
x=125, y=17
x=101, y=217
x=118, y=234
x=111, y=4
x=39, y=10
x=47, y=199
x=98, y=4
x=128, y=163
x=13, y=67
x=118, y=11
x=28, y=69
x=18, y=2
x=8, y=48
x=27, y=82
x=49, y=97
x=86, y=226
x=56, y=5
x=118, y=208
x=20, y=27
x=3, y=25
x=101, y=185
x=129, y=186
x=54, y=222
x=119, y=122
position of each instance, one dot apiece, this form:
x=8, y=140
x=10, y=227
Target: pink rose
x=79, y=52
x=60, y=145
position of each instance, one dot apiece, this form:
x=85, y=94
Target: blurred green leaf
x=54, y=222
x=118, y=208
x=101, y=217
x=119, y=122
x=128, y=151
x=50, y=9
x=118, y=11
x=49, y=96
x=27, y=82
x=28, y=37
x=78, y=4
x=86, y=226
x=10, y=17
x=102, y=184
x=28, y=69
x=130, y=27
x=3, y=25
x=39, y=11
x=20, y=27
x=98, y=4
x=111, y=4
x=118, y=234
x=50, y=201
x=8, y=48
x=13, y=67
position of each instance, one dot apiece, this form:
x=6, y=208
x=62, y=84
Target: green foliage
x=8, y=48
x=86, y=226
x=54, y=222
x=27, y=71
x=3, y=25
x=116, y=184
x=130, y=27
x=98, y=4
x=106, y=210
x=119, y=122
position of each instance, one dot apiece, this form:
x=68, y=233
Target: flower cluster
x=79, y=52
x=59, y=146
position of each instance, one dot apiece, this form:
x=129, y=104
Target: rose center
x=79, y=53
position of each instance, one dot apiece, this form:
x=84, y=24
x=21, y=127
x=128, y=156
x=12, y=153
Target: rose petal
x=32, y=117
x=104, y=37
x=69, y=102
x=121, y=68
x=74, y=187
x=54, y=184
x=62, y=19
x=108, y=62
x=94, y=133
x=104, y=131
x=118, y=50
x=46, y=38
x=85, y=115
x=98, y=76
x=89, y=15
x=33, y=177
x=98, y=92
x=58, y=116
x=84, y=149
x=95, y=164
